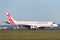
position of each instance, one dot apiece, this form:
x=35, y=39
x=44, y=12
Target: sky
x=30, y=10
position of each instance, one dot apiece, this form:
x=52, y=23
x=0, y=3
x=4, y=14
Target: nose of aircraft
x=55, y=25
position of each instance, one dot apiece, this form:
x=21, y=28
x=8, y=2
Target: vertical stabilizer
x=10, y=19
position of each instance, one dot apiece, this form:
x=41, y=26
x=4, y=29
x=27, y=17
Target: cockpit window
x=53, y=22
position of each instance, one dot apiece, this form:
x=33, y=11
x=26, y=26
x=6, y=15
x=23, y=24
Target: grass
x=29, y=34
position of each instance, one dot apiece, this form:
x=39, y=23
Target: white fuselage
x=36, y=23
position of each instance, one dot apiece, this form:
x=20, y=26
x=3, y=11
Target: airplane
x=30, y=24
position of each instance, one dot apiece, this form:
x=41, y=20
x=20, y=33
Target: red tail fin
x=10, y=19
